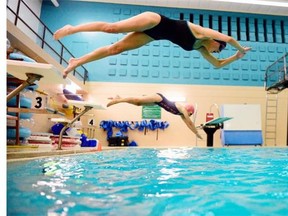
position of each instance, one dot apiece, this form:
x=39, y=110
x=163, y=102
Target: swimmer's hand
x=240, y=54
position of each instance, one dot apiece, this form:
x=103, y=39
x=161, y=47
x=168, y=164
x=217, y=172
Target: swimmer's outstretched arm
x=218, y=63
x=189, y=123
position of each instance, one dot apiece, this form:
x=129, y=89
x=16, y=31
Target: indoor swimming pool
x=140, y=181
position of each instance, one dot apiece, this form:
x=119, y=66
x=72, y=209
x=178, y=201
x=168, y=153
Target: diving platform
x=211, y=127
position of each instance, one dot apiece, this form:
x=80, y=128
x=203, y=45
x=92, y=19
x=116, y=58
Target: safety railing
x=42, y=35
x=276, y=77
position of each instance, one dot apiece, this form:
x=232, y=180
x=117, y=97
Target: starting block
x=87, y=106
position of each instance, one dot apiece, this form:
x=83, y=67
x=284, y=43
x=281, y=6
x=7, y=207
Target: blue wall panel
x=162, y=61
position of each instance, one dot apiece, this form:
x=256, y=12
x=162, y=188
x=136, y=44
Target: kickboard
x=218, y=120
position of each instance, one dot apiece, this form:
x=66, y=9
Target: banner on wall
x=151, y=112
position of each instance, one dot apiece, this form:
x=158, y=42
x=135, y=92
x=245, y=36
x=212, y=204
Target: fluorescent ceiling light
x=258, y=2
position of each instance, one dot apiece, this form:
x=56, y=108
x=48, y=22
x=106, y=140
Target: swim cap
x=190, y=108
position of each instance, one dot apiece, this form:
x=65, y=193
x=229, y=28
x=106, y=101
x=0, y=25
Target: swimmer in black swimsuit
x=150, y=26
x=183, y=110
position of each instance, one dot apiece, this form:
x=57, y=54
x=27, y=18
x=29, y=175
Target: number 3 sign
x=39, y=102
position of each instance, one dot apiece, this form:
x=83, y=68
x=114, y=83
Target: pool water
x=134, y=181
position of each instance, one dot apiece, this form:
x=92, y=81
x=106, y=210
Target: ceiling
x=271, y=7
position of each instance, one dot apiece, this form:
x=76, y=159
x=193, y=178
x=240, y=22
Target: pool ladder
x=271, y=118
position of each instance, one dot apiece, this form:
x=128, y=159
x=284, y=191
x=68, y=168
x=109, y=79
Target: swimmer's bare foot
x=62, y=32
x=71, y=66
x=113, y=100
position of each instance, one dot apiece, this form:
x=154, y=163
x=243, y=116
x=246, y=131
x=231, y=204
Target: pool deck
x=15, y=153
x=18, y=153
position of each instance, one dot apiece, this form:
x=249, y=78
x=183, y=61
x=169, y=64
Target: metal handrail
x=63, y=49
x=282, y=57
x=283, y=71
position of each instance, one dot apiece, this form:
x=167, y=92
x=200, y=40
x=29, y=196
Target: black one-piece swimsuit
x=176, y=31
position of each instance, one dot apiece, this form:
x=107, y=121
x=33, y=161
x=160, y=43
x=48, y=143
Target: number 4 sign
x=91, y=122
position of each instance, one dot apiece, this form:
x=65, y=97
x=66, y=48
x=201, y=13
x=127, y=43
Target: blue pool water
x=183, y=181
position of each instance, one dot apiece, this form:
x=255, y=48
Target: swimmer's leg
x=136, y=23
x=137, y=101
x=131, y=41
